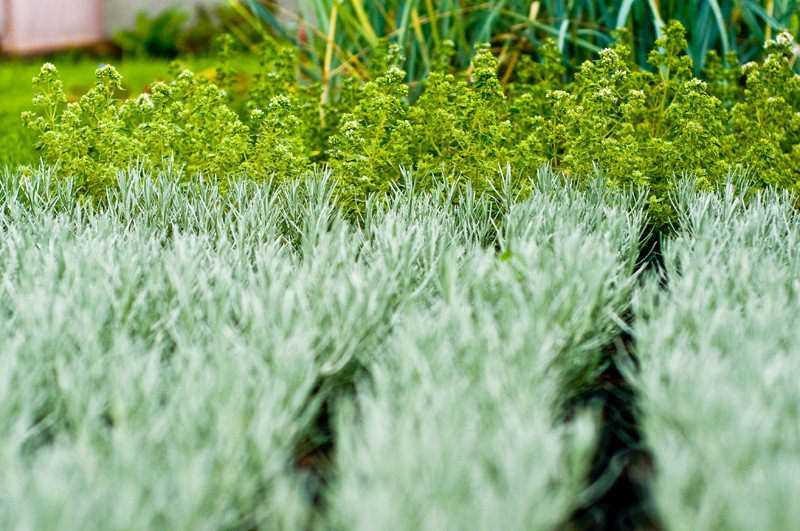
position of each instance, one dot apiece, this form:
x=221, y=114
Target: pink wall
x=39, y=25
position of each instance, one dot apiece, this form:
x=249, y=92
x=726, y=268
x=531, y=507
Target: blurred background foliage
x=157, y=36
x=175, y=32
x=340, y=36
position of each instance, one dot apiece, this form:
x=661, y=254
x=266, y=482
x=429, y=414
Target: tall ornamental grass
x=340, y=37
x=720, y=362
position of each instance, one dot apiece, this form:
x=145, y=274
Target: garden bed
x=518, y=294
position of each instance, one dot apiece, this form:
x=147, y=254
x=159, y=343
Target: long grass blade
x=422, y=45
x=263, y=14
x=326, y=67
x=403, y=21
x=437, y=42
x=365, y=26
x=485, y=34
x=770, y=12
x=562, y=33
x=552, y=32
x=624, y=11
x=658, y=22
x=723, y=32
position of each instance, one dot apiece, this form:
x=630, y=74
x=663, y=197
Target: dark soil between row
x=619, y=496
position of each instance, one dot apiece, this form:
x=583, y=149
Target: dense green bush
x=642, y=127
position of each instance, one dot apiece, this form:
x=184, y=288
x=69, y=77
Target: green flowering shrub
x=188, y=118
x=456, y=126
x=646, y=127
x=84, y=137
x=94, y=138
x=766, y=123
x=642, y=128
x=371, y=139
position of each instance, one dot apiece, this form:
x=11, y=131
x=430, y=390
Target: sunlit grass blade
x=624, y=12
x=365, y=26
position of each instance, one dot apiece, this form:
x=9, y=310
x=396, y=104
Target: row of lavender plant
x=163, y=356
x=720, y=362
